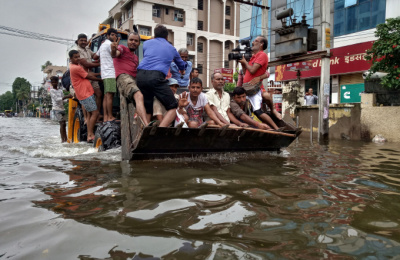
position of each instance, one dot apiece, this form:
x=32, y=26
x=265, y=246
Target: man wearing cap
x=86, y=62
x=125, y=64
x=158, y=109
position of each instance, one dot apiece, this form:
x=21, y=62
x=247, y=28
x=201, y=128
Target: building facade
x=352, y=25
x=209, y=29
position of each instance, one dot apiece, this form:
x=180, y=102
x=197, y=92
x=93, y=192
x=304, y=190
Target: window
x=189, y=39
x=352, y=16
x=227, y=24
x=166, y=11
x=226, y=64
x=145, y=30
x=191, y=58
x=178, y=15
x=200, y=5
x=199, y=25
x=227, y=10
x=200, y=47
x=227, y=46
x=156, y=11
x=130, y=12
x=200, y=68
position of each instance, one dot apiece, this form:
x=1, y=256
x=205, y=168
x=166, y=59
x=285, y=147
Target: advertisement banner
x=226, y=73
x=344, y=60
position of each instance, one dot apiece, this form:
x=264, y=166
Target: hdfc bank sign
x=343, y=60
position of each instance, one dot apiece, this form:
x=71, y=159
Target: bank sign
x=347, y=59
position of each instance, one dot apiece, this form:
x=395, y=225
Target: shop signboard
x=226, y=73
x=351, y=93
x=343, y=60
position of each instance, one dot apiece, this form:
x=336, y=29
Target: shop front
x=347, y=65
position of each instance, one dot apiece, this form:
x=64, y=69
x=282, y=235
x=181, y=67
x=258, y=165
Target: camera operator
x=253, y=72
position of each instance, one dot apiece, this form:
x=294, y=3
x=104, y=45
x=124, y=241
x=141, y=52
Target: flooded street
x=67, y=201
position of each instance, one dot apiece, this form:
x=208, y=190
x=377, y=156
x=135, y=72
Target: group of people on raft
x=153, y=84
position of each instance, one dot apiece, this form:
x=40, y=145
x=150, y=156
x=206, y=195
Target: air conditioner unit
x=179, y=16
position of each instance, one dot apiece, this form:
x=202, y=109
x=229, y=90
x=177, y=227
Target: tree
x=48, y=63
x=6, y=101
x=20, y=84
x=23, y=95
x=385, y=53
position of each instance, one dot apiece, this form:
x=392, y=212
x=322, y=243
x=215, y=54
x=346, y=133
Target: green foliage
x=7, y=101
x=229, y=87
x=385, y=53
x=48, y=63
x=236, y=76
x=21, y=85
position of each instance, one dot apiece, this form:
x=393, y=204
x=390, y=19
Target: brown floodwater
x=66, y=201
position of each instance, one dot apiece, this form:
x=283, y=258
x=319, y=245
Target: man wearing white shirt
x=108, y=73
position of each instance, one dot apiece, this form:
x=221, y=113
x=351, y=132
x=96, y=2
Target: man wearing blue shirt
x=158, y=54
x=183, y=80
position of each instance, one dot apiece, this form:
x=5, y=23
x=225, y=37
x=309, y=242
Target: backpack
x=66, y=80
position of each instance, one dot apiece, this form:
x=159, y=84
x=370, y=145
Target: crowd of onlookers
x=152, y=85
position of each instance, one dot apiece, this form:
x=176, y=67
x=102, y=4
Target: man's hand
x=243, y=125
x=183, y=100
x=182, y=73
x=114, y=45
x=263, y=126
x=243, y=60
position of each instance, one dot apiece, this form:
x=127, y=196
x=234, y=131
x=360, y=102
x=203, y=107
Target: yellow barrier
x=72, y=105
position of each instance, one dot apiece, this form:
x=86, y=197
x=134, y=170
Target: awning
x=344, y=60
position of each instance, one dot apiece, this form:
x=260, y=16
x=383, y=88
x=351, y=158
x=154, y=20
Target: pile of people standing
x=152, y=85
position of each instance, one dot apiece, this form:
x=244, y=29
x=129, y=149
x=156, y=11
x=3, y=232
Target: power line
x=33, y=35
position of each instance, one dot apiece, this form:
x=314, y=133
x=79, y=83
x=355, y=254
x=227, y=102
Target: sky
x=21, y=57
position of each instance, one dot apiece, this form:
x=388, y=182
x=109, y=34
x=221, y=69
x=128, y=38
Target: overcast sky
x=22, y=57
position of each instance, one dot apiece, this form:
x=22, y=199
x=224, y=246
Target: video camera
x=238, y=53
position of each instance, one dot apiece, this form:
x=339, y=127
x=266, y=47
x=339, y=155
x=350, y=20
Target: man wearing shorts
x=252, y=70
x=86, y=62
x=108, y=73
x=84, y=91
x=158, y=54
x=57, y=97
x=125, y=63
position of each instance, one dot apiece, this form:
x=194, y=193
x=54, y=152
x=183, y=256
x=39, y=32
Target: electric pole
x=324, y=88
x=264, y=20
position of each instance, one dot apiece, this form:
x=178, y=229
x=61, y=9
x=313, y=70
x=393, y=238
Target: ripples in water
x=335, y=202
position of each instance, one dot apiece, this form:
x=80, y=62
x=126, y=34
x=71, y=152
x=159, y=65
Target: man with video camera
x=253, y=71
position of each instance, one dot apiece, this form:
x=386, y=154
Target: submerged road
x=67, y=201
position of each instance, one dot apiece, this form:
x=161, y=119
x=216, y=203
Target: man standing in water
x=57, y=97
x=158, y=54
x=84, y=91
x=125, y=63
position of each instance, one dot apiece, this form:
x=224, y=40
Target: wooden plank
x=125, y=130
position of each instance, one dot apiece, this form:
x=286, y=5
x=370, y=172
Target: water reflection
x=320, y=202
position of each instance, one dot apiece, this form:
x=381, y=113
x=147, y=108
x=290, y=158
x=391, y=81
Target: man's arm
x=93, y=76
x=250, y=121
x=218, y=115
x=234, y=120
x=251, y=68
x=67, y=96
x=115, y=53
x=89, y=65
x=212, y=115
